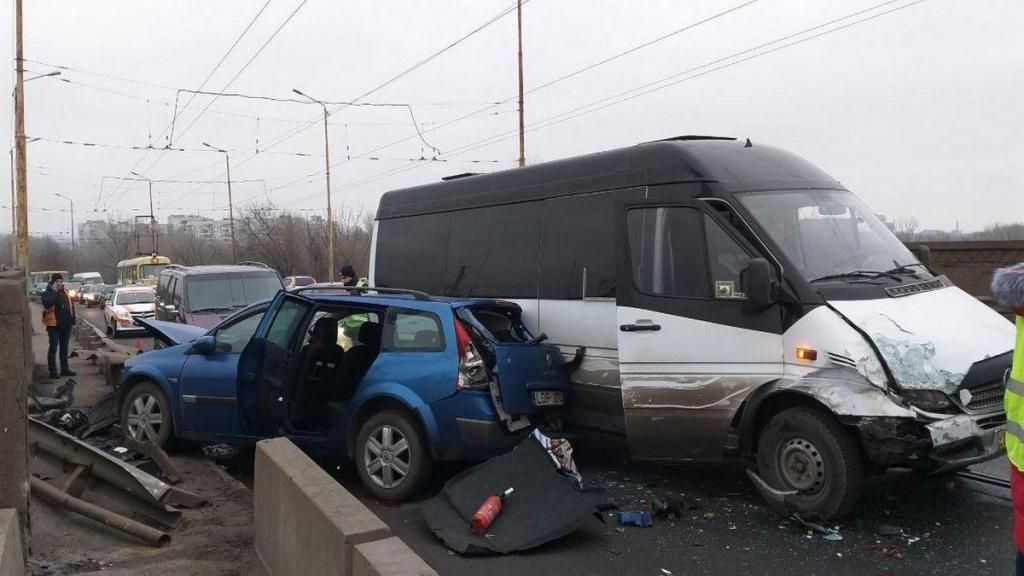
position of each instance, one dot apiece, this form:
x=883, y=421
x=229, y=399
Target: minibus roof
x=736, y=165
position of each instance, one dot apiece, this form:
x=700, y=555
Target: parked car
x=125, y=305
x=393, y=381
x=36, y=289
x=103, y=294
x=293, y=282
x=205, y=295
x=72, y=289
x=733, y=299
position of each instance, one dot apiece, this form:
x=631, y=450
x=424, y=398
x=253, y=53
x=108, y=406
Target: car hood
x=171, y=333
x=930, y=340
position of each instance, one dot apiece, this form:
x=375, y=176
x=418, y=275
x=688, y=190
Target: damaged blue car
x=393, y=379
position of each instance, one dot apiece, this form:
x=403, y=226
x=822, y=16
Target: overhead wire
x=648, y=88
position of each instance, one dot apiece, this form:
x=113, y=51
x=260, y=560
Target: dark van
x=204, y=295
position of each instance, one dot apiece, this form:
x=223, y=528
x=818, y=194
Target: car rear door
x=268, y=363
x=531, y=375
x=691, y=348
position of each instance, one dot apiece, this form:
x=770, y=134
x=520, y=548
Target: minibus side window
x=666, y=251
x=726, y=261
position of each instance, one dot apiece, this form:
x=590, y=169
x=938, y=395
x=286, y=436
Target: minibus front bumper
x=935, y=442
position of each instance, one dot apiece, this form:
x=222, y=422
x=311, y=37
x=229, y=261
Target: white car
x=126, y=304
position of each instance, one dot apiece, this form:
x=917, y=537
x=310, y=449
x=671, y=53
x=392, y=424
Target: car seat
x=357, y=360
x=318, y=363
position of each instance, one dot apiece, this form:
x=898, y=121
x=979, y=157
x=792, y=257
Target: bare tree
x=906, y=228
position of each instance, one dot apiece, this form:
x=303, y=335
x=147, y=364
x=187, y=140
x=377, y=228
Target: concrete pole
x=14, y=214
x=231, y=212
x=21, y=164
x=16, y=364
x=522, y=132
x=330, y=214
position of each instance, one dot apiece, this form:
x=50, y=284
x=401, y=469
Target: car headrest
x=369, y=333
x=325, y=332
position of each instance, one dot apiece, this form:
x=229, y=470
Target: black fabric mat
x=545, y=505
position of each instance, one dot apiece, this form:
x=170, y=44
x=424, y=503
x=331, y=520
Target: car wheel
x=146, y=415
x=110, y=329
x=113, y=328
x=391, y=456
x=806, y=450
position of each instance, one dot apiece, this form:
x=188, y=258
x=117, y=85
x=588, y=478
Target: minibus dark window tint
x=411, y=252
x=666, y=251
x=578, y=234
x=492, y=252
x=726, y=261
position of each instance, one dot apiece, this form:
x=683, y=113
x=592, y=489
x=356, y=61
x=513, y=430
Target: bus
x=142, y=270
x=43, y=276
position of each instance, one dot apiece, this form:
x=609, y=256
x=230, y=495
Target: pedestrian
x=1008, y=289
x=348, y=275
x=58, y=317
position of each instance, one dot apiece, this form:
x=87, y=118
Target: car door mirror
x=203, y=345
x=759, y=283
x=170, y=308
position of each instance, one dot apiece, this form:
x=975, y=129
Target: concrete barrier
x=307, y=524
x=12, y=563
x=16, y=366
x=388, y=557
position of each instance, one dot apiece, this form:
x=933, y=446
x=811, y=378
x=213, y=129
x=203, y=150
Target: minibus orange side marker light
x=806, y=354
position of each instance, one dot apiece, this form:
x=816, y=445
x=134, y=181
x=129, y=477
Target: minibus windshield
x=831, y=234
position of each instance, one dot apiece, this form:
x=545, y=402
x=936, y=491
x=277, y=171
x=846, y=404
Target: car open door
x=267, y=365
x=691, y=346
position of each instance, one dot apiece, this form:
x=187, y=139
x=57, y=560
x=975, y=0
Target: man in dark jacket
x=58, y=317
x=348, y=275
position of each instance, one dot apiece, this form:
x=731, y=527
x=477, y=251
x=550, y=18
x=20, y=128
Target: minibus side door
x=691, y=347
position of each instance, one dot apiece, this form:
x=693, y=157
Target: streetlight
x=327, y=162
x=74, y=252
x=231, y=205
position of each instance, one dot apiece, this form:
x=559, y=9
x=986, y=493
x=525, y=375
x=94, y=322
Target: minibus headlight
x=927, y=400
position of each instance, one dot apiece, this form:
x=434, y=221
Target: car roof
x=134, y=288
x=214, y=269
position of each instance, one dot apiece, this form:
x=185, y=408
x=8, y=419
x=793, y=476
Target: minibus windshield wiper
x=859, y=274
x=905, y=268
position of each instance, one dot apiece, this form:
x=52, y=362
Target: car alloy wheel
x=145, y=419
x=386, y=457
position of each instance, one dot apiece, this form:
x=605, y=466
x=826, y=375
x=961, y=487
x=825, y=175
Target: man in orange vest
x=58, y=317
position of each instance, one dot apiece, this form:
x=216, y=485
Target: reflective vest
x=50, y=314
x=1013, y=400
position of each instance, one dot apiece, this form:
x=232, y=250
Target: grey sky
x=920, y=112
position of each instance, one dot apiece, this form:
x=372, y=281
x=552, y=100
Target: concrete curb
x=11, y=561
x=307, y=523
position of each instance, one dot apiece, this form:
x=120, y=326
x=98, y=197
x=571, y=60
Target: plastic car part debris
x=561, y=452
x=641, y=519
x=810, y=525
x=776, y=498
x=833, y=536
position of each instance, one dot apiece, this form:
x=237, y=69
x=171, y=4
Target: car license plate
x=547, y=398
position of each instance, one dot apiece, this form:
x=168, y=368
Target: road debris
x=641, y=519
x=548, y=504
x=887, y=550
x=888, y=530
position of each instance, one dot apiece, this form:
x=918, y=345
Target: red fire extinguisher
x=488, y=511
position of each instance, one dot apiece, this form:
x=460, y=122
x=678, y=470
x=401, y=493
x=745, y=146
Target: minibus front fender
x=843, y=392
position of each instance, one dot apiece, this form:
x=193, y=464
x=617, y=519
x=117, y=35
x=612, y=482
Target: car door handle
x=640, y=327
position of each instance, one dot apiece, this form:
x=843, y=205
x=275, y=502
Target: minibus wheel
x=807, y=450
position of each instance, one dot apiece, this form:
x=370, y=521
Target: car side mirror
x=759, y=283
x=203, y=345
x=171, y=308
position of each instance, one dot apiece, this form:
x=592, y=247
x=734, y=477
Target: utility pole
x=74, y=251
x=231, y=204
x=14, y=214
x=152, y=215
x=522, y=135
x=21, y=164
x=330, y=215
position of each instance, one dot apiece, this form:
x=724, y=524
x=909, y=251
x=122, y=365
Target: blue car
x=394, y=380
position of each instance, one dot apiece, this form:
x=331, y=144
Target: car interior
x=338, y=349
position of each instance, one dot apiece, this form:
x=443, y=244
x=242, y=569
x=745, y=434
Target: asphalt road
x=946, y=525
x=95, y=317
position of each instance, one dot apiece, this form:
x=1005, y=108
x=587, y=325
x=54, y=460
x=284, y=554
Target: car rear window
x=413, y=331
x=503, y=324
x=230, y=291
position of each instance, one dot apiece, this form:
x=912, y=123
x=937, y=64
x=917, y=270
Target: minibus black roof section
x=729, y=162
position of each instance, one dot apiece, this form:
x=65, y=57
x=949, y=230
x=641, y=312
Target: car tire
x=807, y=450
x=113, y=328
x=146, y=416
x=380, y=456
